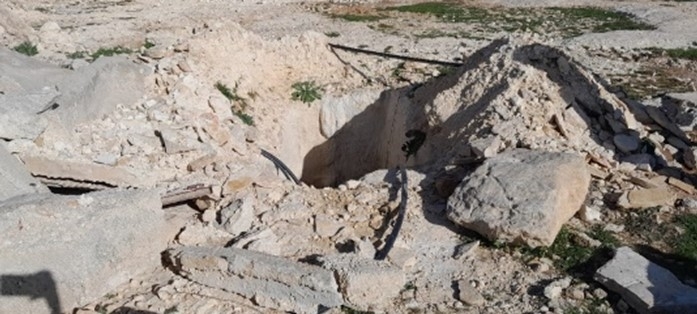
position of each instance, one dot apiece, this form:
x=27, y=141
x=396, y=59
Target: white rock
x=554, y=289
x=589, y=214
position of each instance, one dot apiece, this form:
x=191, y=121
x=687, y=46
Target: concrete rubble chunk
x=51, y=171
x=645, y=286
x=14, y=179
x=94, y=91
x=237, y=217
x=70, y=250
x=644, y=198
x=269, y=281
x=521, y=196
x=366, y=284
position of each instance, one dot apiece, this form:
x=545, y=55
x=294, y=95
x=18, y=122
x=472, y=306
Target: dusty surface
x=261, y=48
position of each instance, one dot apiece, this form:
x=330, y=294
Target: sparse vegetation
x=307, y=92
x=77, y=55
x=332, y=34
x=678, y=53
x=686, y=244
x=607, y=20
x=26, y=48
x=171, y=310
x=148, y=44
x=358, y=17
x=233, y=97
x=446, y=12
x=108, y=52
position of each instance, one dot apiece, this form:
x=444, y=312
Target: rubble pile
x=133, y=184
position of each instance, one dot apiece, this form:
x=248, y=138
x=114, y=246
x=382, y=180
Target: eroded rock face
x=521, y=196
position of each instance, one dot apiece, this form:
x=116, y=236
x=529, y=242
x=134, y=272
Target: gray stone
x=486, y=147
x=661, y=119
x=238, y=216
x=269, y=281
x=521, y=196
x=366, y=284
x=94, y=91
x=645, y=286
x=14, y=179
x=468, y=294
x=67, y=251
x=626, y=143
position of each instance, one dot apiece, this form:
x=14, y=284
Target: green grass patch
x=358, y=17
x=26, y=48
x=307, y=92
x=678, y=53
x=565, y=253
x=607, y=20
x=246, y=119
x=148, y=44
x=446, y=12
x=686, y=244
x=108, y=52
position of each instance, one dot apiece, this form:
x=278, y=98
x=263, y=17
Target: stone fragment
x=465, y=249
x=626, y=143
x=156, y=52
x=682, y=185
x=366, y=284
x=269, y=281
x=48, y=169
x=14, y=179
x=197, y=234
x=486, y=147
x=264, y=240
x=645, y=286
x=521, y=196
x=613, y=228
x=661, y=119
x=106, y=159
x=75, y=249
x=468, y=294
x=589, y=214
x=554, y=289
x=238, y=216
x=644, y=198
x=689, y=157
x=326, y=226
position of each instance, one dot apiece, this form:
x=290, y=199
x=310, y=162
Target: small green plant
x=26, y=48
x=108, y=52
x=347, y=310
x=332, y=34
x=307, y=92
x=231, y=94
x=171, y=310
x=148, y=44
x=358, y=17
x=246, y=119
x=77, y=55
x=409, y=286
x=564, y=252
x=687, y=242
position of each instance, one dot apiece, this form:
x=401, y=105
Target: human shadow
x=40, y=285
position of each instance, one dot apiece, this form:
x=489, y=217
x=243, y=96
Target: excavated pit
x=508, y=94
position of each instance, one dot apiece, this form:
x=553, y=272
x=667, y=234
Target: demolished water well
x=509, y=94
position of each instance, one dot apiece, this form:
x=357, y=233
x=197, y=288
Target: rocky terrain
x=348, y=157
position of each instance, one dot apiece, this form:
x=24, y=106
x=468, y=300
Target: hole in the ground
x=69, y=191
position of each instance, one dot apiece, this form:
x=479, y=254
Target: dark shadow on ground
x=40, y=285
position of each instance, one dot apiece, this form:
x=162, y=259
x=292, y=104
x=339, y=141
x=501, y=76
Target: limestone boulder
x=521, y=196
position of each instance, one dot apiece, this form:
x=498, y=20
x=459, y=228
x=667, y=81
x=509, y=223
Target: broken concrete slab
x=63, y=173
x=366, y=284
x=521, y=196
x=70, y=250
x=644, y=198
x=270, y=281
x=14, y=179
x=645, y=286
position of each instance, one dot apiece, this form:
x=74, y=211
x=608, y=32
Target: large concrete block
x=59, y=252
